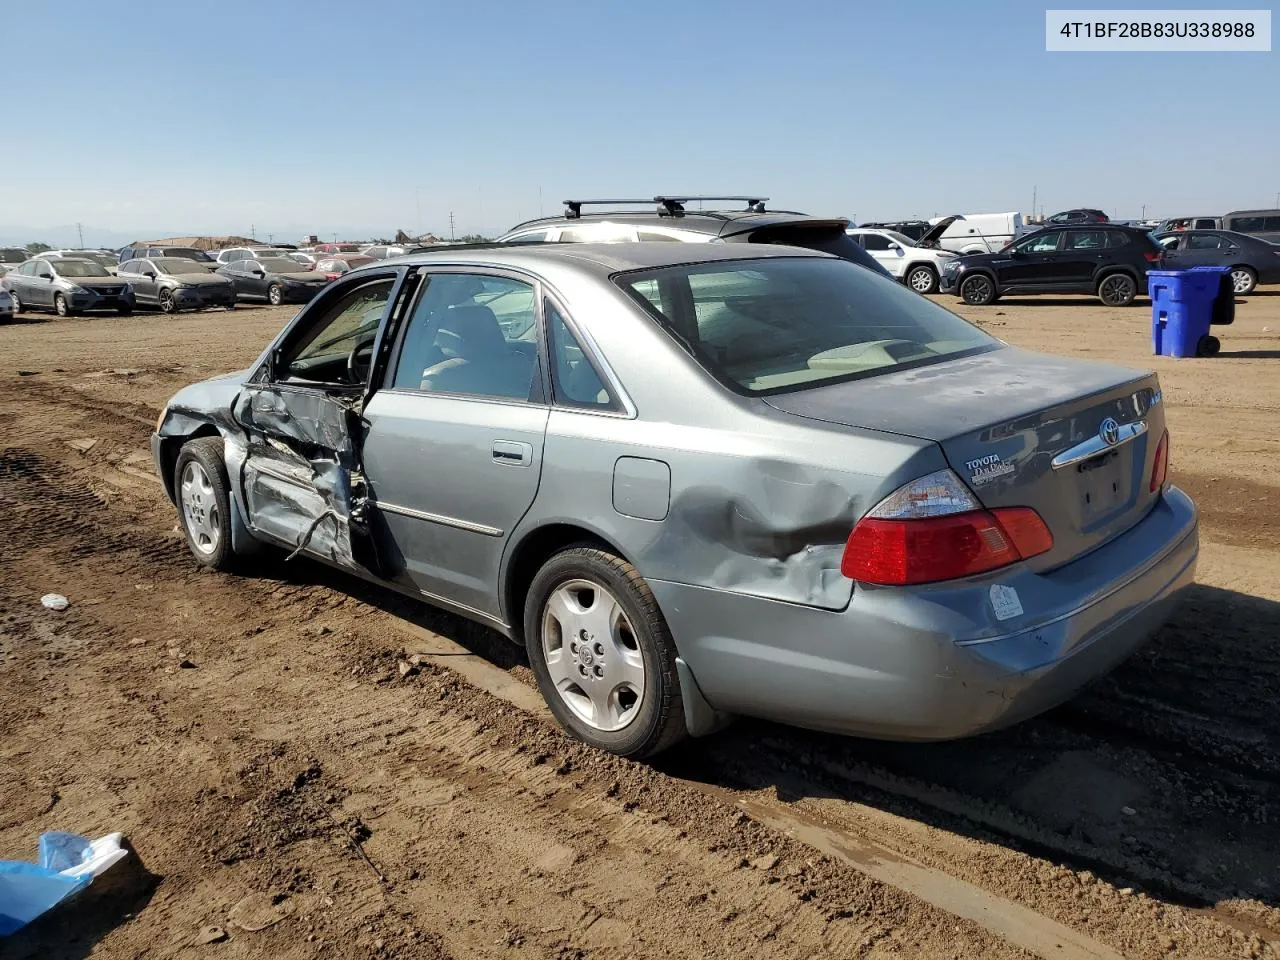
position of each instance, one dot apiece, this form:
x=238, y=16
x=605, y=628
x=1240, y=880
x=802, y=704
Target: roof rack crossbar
x=573, y=208
x=668, y=205
x=673, y=205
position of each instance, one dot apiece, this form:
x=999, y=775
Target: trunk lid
x=1022, y=430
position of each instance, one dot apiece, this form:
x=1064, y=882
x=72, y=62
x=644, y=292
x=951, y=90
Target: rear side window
x=1247, y=224
x=777, y=325
x=1118, y=238
x=1085, y=240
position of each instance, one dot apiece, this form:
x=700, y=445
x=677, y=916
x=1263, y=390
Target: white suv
x=917, y=263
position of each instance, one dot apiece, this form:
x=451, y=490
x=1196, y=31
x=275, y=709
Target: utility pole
x=450, y=224
x=539, y=199
x=1034, y=190
x=1144, y=211
x=417, y=224
x=80, y=230
x=271, y=238
x=252, y=235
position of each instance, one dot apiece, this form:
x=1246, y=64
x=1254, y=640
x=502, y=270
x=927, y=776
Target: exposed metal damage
x=299, y=472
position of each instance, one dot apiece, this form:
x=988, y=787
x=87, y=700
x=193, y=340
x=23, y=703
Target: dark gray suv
x=671, y=220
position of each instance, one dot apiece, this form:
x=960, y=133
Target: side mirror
x=1015, y=253
x=149, y=273
x=894, y=248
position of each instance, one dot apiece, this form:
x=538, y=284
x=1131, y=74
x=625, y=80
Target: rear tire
x=275, y=295
x=1243, y=280
x=923, y=279
x=202, y=492
x=594, y=633
x=1117, y=289
x=60, y=305
x=978, y=290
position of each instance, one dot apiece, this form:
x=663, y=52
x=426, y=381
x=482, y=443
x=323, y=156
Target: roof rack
x=668, y=206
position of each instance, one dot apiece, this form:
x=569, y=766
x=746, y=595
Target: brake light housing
x=1152, y=256
x=1160, y=465
x=933, y=529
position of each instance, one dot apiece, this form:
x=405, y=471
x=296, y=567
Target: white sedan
x=917, y=263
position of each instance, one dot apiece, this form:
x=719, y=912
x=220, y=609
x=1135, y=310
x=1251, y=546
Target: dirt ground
x=289, y=794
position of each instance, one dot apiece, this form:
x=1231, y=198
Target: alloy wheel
x=978, y=290
x=593, y=655
x=1117, y=289
x=1241, y=281
x=200, y=508
x=166, y=301
x=921, y=280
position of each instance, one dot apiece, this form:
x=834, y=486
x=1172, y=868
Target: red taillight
x=928, y=549
x=1152, y=256
x=1160, y=466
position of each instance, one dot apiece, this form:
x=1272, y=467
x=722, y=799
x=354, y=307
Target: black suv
x=1101, y=258
x=673, y=221
x=1078, y=215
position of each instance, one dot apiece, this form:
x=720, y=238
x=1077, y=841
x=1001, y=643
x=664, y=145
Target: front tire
x=1117, y=290
x=60, y=305
x=167, y=303
x=978, y=290
x=17, y=304
x=204, y=502
x=923, y=279
x=275, y=295
x=1243, y=280
x=602, y=653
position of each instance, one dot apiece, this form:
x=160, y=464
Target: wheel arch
x=527, y=555
x=178, y=430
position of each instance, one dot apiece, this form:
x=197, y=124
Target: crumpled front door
x=301, y=479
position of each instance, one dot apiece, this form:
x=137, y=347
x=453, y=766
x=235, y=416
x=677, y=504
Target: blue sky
x=354, y=118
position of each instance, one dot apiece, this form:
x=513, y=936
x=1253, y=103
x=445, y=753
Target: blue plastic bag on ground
x=68, y=863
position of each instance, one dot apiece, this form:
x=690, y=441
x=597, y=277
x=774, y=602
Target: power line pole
x=252, y=235
x=450, y=224
x=1034, y=189
x=271, y=238
x=80, y=230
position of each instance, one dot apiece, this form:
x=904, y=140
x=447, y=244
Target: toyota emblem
x=1109, y=431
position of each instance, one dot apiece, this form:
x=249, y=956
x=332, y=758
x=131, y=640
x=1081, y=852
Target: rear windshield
x=828, y=239
x=186, y=253
x=13, y=255
x=771, y=326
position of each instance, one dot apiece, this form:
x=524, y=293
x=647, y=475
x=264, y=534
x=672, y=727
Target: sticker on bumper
x=1005, y=602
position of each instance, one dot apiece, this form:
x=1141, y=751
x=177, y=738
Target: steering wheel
x=360, y=360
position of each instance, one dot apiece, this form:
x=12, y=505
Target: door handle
x=512, y=453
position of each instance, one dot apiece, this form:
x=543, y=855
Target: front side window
x=1044, y=243
x=765, y=326
x=576, y=382
x=324, y=353
x=473, y=335
x=875, y=242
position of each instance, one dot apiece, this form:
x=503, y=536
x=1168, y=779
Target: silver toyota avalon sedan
x=703, y=480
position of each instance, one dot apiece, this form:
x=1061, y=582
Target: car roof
x=600, y=258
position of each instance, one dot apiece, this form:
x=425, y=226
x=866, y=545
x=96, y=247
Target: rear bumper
x=935, y=664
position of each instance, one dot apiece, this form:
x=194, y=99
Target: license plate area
x=1103, y=487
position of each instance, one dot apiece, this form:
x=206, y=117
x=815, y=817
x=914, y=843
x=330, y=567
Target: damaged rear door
x=301, y=479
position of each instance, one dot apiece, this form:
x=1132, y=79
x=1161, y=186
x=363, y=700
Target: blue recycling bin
x=1183, y=307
